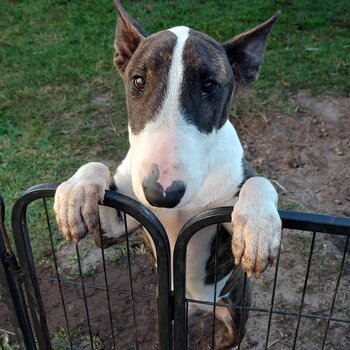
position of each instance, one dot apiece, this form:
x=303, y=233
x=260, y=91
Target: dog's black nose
x=157, y=196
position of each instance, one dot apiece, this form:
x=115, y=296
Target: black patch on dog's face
x=151, y=61
x=205, y=60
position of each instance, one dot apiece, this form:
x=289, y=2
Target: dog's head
x=179, y=88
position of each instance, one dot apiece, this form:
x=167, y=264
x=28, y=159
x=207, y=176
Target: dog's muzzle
x=158, y=196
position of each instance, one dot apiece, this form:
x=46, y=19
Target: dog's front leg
x=256, y=226
x=77, y=200
x=77, y=205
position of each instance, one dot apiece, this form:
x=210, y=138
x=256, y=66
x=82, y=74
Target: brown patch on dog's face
x=151, y=62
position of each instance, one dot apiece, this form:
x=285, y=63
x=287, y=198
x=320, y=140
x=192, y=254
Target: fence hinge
x=10, y=262
x=14, y=267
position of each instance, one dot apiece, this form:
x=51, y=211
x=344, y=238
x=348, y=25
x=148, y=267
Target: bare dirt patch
x=106, y=329
x=307, y=152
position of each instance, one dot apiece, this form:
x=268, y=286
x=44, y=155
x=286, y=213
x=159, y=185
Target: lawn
x=62, y=102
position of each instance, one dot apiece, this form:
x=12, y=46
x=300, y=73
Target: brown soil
x=307, y=152
x=307, y=156
x=121, y=306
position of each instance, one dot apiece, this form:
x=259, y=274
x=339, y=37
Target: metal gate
x=27, y=277
x=21, y=285
x=312, y=226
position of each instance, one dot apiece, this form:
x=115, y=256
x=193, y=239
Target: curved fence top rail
x=290, y=220
x=112, y=199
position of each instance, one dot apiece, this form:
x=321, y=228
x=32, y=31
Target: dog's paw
x=256, y=227
x=76, y=209
x=76, y=201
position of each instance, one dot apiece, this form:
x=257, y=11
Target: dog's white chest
x=198, y=252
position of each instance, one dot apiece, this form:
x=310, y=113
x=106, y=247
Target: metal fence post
x=26, y=261
x=11, y=288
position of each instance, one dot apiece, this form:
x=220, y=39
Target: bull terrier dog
x=185, y=157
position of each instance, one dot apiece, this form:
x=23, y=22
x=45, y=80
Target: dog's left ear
x=246, y=51
x=128, y=37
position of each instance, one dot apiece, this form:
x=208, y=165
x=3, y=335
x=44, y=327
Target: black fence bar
x=88, y=285
x=130, y=281
x=58, y=280
x=84, y=297
x=274, y=312
x=304, y=289
x=272, y=297
x=11, y=288
x=107, y=289
x=215, y=287
x=315, y=223
x=335, y=292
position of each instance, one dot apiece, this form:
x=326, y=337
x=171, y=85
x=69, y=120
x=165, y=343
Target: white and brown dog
x=184, y=158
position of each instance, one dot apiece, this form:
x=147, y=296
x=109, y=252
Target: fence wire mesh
x=86, y=297
x=302, y=302
x=83, y=296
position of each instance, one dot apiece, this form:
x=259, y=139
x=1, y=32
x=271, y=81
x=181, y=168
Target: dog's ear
x=128, y=37
x=246, y=51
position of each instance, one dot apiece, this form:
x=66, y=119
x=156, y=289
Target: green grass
x=6, y=344
x=56, y=58
x=60, y=340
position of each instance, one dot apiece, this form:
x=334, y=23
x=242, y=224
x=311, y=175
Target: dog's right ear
x=128, y=37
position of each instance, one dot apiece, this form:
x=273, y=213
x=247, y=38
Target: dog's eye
x=139, y=83
x=208, y=87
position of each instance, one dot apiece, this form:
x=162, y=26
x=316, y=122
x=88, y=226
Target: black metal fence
x=60, y=296
x=265, y=308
